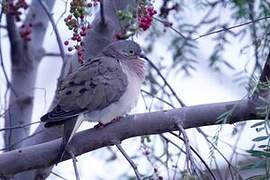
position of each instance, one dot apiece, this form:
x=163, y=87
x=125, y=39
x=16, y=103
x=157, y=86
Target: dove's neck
x=137, y=66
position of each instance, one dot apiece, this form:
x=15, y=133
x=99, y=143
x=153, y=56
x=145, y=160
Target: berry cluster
x=14, y=8
x=156, y=173
x=25, y=32
x=76, y=21
x=145, y=16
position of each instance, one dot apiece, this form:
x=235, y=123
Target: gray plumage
x=102, y=89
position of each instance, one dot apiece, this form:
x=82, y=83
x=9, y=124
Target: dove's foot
x=116, y=119
x=99, y=125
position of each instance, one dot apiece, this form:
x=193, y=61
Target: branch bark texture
x=45, y=154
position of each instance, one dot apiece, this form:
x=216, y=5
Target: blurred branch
x=74, y=161
x=13, y=34
x=19, y=126
x=191, y=168
x=263, y=81
x=9, y=85
x=231, y=27
x=265, y=75
x=169, y=25
x=254, y=36
x=166, y=83
x=193, y=150
x=230, y=166
x=132, y=164
x=131, y=126
x=57, y=175
x=2, y=26
x=158, y=98
x=58, y=38
x=102, y=16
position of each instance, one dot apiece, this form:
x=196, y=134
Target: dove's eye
x=131, y=52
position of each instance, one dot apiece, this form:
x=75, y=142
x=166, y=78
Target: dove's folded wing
x=94, y=86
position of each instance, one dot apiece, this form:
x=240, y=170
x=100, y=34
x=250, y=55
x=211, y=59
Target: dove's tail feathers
x=58, y=115
x=70, y=127
x=52, y=124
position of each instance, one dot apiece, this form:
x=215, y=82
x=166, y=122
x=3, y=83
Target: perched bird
x=102, y=89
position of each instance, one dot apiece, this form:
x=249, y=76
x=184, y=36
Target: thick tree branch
x=44, y=155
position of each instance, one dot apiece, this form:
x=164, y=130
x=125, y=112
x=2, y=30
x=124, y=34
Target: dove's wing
x=92, y=87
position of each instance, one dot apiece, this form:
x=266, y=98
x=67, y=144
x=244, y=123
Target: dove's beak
x=143, y=56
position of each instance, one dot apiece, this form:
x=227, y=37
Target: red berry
x=89, y=4
x=82, y=33
x=70, y=49
x=66, y=43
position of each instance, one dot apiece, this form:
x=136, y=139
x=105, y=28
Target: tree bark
x=25, y=58
x=45, y=154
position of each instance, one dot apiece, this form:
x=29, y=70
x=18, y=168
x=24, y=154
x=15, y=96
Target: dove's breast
x=125, y=103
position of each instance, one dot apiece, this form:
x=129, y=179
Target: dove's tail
x=70, y=127
x=59, y=116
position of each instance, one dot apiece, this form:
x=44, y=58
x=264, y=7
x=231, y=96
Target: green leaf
x=257, y=124
x=258, y=164
x=258, y=153
x=263, y=146
x=257, y=177
x=260, y=129
x=260, y=138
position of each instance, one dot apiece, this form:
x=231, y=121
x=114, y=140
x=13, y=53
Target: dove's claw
x=116, y=119
x=99, y=125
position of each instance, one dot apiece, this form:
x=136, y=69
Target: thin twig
x=74, y=161
x=132, y=164
x=166, y=24
x=20, y=141
x=231, y=27
x=254, y=36
x=166, y=83
x=57, y=175
x=2, y=62
x=102, y=16
x=158, y=98
x=58, y=38
x=227, y=161
x=19, y=126
x=235, y=147
x=52, y=54
x=188, y=153
x=192, y=149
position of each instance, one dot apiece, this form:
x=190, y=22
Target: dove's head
x=123, y=49
x=129, y=53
